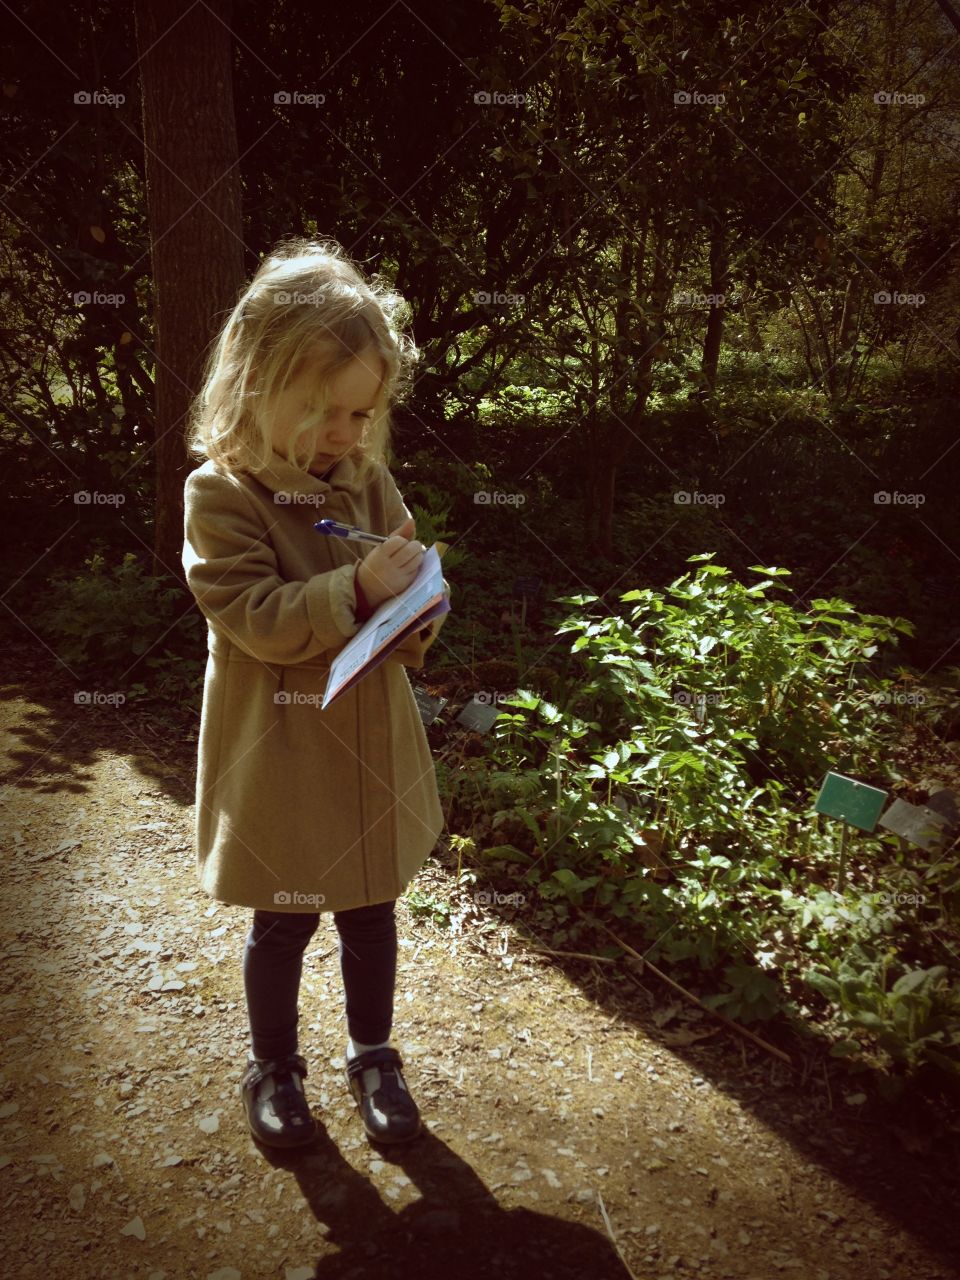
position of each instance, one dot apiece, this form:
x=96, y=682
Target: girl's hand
x=392, y=565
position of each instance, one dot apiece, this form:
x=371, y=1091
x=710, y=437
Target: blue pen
x=339, y=530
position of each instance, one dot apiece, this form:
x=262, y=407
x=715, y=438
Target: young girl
x=298, y=810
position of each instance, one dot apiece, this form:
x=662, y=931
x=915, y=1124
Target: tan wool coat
x=299, y=809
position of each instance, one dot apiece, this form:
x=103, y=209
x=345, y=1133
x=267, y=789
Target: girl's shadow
x=456, y=1228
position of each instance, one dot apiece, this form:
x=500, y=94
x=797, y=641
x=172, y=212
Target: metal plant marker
x=945, y=802
x=526, y=588
x=917, y=823
x=428, y=706
x=855, y=803
x=478, y=716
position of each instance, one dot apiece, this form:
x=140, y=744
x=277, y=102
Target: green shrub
x=118, y=618
x=667, y=777
x=911, y=1015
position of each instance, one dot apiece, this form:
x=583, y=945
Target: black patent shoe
x=276, y=1106
x=389, y=1114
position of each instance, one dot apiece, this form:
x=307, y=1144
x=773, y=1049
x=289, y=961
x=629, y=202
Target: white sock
x=371, y=1077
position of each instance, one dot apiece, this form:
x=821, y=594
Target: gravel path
x=570, y=1114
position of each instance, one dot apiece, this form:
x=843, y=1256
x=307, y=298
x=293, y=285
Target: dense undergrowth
x=668, y=781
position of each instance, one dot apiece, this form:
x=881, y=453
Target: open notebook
x=388, y=626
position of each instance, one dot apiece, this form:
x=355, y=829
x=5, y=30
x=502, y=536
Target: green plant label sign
x=855, y=802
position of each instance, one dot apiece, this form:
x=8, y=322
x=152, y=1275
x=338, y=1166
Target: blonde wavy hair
x=308, y=305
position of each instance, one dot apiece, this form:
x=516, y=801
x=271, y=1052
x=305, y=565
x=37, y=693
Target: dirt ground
x=580, y=1122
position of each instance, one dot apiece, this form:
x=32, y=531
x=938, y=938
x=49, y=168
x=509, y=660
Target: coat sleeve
x=232, y=572
x=411, y=652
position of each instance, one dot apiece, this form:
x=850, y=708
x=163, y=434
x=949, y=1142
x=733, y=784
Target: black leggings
x=272, y=963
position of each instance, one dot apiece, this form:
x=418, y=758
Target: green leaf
x=719, y=999
x=823, y=983
x=916, y=979
x=844, y=1048
x=864, y=1018
x=507, y=853
x=850, y=989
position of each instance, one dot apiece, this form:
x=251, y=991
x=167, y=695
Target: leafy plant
x=667, y=781
x=914, y=1019
x=751, y=994
x=117, y=616
x=426, y=904
x=756, y=674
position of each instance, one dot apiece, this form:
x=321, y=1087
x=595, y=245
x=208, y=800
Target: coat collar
x=281, y=476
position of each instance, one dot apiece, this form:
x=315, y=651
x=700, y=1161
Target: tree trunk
x=185, y=52
x=599, y=497
x=852, y=298
x=718, y=286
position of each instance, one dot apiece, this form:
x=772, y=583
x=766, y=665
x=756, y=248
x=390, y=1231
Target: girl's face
x=352, y=395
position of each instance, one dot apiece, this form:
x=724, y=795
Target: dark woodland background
x=599, y=215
